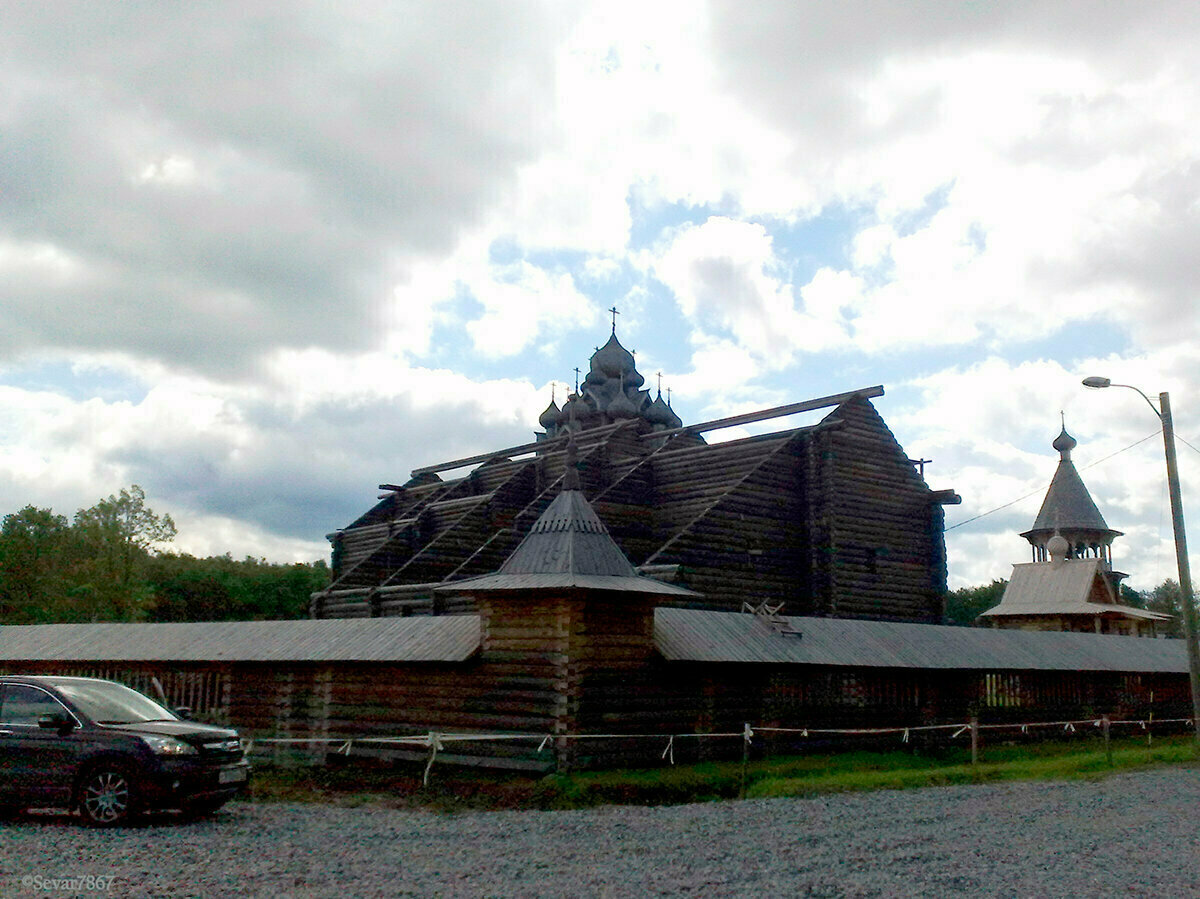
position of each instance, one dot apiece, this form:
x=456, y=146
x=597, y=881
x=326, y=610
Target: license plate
x=232, y=775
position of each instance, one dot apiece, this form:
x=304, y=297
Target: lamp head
x=1097, y=382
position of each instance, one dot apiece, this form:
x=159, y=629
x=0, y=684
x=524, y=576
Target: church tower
x=1069, y=511
x=1070, y=585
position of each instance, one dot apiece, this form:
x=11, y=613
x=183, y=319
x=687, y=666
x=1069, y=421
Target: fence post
x=1104, y=724
x=434, y=745
x=974, y=739
x=747, y=734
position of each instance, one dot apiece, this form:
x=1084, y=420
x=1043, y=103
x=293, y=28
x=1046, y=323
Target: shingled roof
x=1068, y=505
x=568, y=546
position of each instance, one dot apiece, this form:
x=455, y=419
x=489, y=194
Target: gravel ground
x=1130, y=835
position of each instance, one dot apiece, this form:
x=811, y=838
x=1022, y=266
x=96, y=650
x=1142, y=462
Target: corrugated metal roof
x=443, y=638
x=1059, y=588
x=702, y=636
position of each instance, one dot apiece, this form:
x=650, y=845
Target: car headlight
x=168, y=745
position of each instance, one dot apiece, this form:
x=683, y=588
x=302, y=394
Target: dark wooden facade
x=831, y=519
x=571, y=690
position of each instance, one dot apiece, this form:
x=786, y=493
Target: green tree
x=965, y=604
x=36, y=554
x=116, y=536
x=1165, y=598
x=218, y=588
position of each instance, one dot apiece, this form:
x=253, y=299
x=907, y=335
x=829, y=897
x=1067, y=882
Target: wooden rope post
x=974, y=739
x=1150, y=726
x=1104, y=724
x=747, y=735
x=434, y=746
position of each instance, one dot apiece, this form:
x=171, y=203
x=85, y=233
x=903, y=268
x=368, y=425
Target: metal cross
x=577, y=379
x=615, y=313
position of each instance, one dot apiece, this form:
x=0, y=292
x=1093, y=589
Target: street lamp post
x=1187, y=610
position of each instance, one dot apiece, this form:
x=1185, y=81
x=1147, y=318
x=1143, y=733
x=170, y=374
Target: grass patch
x=398, y=785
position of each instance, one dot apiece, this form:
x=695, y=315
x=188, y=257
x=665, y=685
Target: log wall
x=567, y=669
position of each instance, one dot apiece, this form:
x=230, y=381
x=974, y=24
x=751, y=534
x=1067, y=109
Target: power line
x=1036, y=492
x=1188, y=445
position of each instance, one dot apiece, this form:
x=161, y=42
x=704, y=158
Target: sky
x=260, y=258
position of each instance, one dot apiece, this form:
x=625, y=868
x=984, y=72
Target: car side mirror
x=56, y=721
x=184, y=712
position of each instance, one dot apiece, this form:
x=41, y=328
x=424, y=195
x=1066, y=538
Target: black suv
x=95, y=745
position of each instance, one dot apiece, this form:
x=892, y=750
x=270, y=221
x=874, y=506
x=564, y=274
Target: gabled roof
x=1062, y=587
x=443, y=638
x=568, y=546
x=694, y=635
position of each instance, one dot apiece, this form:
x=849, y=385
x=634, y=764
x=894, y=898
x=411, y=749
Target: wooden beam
x=523, y=449
x=715, y=425
x=766, y=414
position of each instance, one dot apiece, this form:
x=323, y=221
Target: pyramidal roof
x=568, y=546
x=1068, y=506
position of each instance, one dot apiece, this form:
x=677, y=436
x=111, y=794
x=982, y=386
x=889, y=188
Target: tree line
x=110, y=563
x=964, y=605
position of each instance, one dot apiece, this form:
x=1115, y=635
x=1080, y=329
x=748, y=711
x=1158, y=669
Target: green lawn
x=454, y=789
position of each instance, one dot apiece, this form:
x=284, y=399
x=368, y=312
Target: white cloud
x=727, y=280
x=522, y=303
x=988, y=427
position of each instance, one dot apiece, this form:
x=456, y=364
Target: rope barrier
x=436, y=741
x=345, y=744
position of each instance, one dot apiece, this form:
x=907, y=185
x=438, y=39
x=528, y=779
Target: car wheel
x=106, y=796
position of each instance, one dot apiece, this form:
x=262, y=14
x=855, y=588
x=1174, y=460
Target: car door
x=38, y=764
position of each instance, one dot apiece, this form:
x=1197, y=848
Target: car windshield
x=109, y=703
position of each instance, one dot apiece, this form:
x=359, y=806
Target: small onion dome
x=574, y=407
x=1057, y=546
x=612, y=359
x=658, y=413
x=621, y=406
x=676, y=421
x=1064, y=443
x=549, y=418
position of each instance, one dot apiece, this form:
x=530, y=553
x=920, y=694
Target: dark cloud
x=302, y=475
x=297, y=157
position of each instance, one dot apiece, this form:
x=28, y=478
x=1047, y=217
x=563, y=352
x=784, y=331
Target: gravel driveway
x=1131, y=835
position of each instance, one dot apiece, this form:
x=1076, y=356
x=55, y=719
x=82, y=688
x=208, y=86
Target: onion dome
x=676, y=421
x=621, y=406
x=549, y=418
x=659, y=414
x=613, y=360
x=1064, y=443
x=574, y=409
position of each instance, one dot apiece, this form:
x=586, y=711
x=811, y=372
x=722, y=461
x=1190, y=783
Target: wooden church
x=830, y=520
x=585, y=599
x=1071, y=584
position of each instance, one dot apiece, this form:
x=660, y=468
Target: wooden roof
x=1068, y=506
x=695, y=635
x=450, y=638
x=1062, y=587
x=568, y=546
